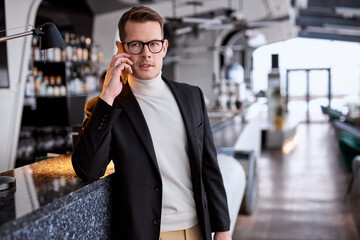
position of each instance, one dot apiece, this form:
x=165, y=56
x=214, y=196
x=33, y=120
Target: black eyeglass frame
x=143, y=45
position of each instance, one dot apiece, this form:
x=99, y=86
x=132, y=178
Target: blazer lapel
x=184, y=104
x=127, y=101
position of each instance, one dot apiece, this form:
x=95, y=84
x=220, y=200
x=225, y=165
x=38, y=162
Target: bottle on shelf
x=94, y=54
x=78, y=49
x=75, y=85
x=30, y=86
x=69, y=48
x=49, y=54
x=35, y=50
x=85, y=43
x=57, y=55
x=61, y=86
x=66, y=54
x=38, y=82
x=31, y=83
x=50, y=87
x=90, y=80
x=57, y=87
x=100, y=57
x=44, y=86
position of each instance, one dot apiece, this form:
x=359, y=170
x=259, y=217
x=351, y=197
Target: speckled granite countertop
x=41, y=188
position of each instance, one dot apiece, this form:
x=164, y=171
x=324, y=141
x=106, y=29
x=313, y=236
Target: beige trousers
x=193, y=233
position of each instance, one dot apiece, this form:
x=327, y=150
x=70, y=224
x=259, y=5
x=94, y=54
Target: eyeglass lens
x=137, y=47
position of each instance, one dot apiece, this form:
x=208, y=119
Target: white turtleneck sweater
x=168, y=134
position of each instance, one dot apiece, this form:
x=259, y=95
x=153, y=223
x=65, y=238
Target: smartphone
x=124, y=73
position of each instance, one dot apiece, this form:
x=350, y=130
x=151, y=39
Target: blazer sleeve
x=91, y=153
x=213, y=181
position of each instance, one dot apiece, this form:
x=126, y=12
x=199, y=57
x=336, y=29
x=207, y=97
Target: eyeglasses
x=136, y=47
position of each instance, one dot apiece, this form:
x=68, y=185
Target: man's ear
x=165, y=47
x=117, y=44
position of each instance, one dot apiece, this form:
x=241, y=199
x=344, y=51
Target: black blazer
x=120, y=133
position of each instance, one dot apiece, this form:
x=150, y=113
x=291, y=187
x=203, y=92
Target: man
x=167, y=180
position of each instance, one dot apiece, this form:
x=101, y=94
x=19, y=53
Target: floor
x=302, y=195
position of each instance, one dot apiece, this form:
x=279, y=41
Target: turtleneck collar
x=150, y=87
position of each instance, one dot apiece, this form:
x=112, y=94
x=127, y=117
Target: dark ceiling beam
x=315, y=18
x=340, y=37
x=334, y=3
x=69, y=5
x=321, y=20
x=104, y=6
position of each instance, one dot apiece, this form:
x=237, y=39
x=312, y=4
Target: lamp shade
x=50, y=37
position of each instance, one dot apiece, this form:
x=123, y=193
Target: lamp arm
x=3, y=39
x=35, y=31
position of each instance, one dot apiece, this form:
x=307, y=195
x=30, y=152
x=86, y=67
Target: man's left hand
x=222, y=236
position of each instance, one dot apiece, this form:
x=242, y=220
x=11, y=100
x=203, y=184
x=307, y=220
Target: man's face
x=147, y=65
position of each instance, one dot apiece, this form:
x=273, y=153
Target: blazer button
x=158, y=189
x=156, y=221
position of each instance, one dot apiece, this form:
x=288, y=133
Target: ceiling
x=330, y=19
x=326, y=19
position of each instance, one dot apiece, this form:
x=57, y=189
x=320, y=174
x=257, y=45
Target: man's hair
x=138, y=14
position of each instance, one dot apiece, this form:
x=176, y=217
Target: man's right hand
x=112, y=83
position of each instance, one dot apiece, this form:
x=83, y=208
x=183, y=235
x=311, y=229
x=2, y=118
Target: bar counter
x=51, y=202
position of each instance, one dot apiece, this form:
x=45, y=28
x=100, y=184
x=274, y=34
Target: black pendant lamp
x=50, y=37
